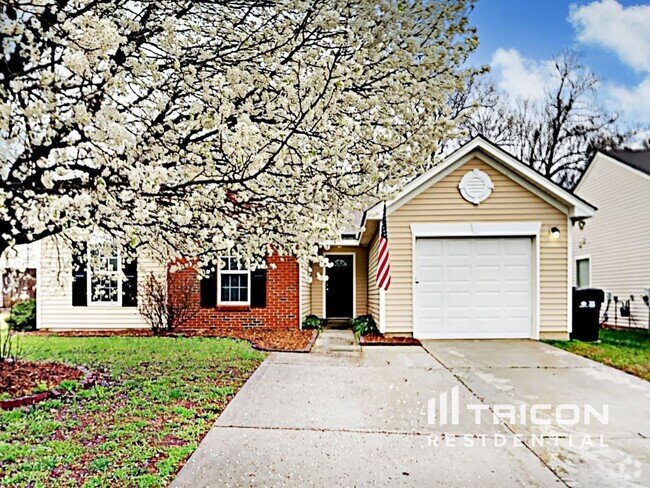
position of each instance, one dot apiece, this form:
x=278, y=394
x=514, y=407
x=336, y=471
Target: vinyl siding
x=316, y=291
x=305, y=292
x=373, y=291
x=509, y=202
x=361, y=281
x=55, y=310
x=617, y=238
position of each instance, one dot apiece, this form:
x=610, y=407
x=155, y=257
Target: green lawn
x=626, y=350
x=160, y=397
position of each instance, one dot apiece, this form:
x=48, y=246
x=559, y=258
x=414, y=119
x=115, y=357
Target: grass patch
x=627, y=350
x=136, y=428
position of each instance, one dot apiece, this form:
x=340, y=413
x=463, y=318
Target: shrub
x=23, y=316
x=312, y=322
x=165, y=313
x=364, y=324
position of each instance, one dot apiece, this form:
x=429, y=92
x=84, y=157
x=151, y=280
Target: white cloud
x=519, y=76
x=633, y=103
x=626, y=32
x=623, y=30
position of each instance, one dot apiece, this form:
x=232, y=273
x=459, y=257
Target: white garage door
x=473, y=288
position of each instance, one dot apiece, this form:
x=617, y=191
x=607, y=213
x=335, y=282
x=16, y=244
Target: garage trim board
x=504, y=232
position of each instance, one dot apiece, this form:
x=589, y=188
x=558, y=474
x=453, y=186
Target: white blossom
x=195, y=127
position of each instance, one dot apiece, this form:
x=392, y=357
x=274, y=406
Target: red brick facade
x=282, y=299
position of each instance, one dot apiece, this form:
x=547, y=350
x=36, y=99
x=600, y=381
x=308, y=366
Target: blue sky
x=517, y=38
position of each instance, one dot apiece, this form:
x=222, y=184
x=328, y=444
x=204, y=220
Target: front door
x=339, y=287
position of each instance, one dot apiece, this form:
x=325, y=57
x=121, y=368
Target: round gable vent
x=476, y=186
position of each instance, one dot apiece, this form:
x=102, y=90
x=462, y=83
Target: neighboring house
x=612, y=250
x=18, y=274
x=479, y=245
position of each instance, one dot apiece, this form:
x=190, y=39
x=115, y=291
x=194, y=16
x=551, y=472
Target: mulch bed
x=287, y=340
x=23, y=377
x=380, y=340
x=276, y=339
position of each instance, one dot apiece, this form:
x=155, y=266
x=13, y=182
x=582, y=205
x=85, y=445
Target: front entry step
x=338, y=324
x=339, y=342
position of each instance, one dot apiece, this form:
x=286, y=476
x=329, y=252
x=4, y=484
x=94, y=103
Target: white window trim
x=586, y=257
x=89, y=283
x=232, y=272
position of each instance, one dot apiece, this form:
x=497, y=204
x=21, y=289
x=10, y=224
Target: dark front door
x=339, y=288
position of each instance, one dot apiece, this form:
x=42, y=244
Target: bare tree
x=555, y=136
x=165, y=312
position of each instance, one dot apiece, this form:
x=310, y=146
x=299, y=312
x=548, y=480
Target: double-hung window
x=105, y=284
x=233, y=282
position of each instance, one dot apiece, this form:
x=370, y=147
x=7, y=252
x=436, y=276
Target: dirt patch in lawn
x=23, y=378
x=137, y=425
x=380, y=340
x=276, y=339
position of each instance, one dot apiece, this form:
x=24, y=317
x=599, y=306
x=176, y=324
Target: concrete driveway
x=363, y=420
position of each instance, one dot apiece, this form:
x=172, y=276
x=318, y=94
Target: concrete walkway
x=361, y=419
x=336, y=342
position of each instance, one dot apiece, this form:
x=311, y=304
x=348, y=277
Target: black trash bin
x=586, y=313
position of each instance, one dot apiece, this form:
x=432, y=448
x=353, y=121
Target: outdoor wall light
x=554, y=233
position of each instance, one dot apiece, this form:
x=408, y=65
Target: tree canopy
x=193, y=126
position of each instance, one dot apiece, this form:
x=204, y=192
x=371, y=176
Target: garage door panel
x=518, y=248
x=429, y=247
x=489, y=247
x=517, y=273
x=458, y=323
x=457, y=249
x=431, y=274
x=473, y=288
x=517, y=299
x=458, y=300
x=487, y=298
x=487, y=324
x=460, y=275
x=486, y=274
x=431, y=299
x=513, y=325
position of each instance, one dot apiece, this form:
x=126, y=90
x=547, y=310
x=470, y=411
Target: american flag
x=383, y=265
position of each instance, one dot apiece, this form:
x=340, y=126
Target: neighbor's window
x=234, y=283
x=583, y=273
x=104, y=270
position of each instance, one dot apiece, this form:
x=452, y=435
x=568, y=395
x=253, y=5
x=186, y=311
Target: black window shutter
x=258, y=288
x=80, y=276
x=130, y=286
x=209, y=289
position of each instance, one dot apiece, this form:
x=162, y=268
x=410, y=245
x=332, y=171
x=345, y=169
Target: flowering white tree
x=197, y=125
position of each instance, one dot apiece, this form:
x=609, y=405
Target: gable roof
x=484, y=149
x=632, y=160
